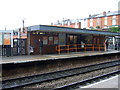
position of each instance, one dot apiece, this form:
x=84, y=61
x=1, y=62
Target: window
x=91, y=22
x=50, y=40
x=114, y=20
x=55, y=40
x=98, y=21
x=45, y=40
x=72, y=39
x=75, y=39
x=105, y=21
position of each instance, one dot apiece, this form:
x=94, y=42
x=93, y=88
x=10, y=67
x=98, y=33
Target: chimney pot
x=104, y=13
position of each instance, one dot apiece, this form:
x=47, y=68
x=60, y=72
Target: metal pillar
x=28, y=45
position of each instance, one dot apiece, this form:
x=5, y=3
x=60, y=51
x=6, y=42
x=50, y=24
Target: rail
x=77, y=47
x=90, y=81
x=34, y=79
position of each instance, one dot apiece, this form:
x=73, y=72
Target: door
x=37, y=45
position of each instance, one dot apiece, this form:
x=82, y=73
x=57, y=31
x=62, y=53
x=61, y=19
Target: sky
x=45, y=12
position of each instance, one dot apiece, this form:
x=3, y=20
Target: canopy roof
x=47, y=28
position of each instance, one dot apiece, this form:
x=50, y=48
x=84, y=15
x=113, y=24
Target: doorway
x=35, y=42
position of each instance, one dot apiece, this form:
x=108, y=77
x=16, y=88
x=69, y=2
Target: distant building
x=102, y=21
x=20, y=34
x=97, y=21
x=68, y=23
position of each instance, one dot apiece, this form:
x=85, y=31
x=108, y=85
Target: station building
x=45, y=39
x=53, y=36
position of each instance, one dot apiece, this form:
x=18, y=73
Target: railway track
x=29, y=80
x=79, y=85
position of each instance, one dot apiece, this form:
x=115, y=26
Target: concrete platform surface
x=112, y=82
x=31, y=58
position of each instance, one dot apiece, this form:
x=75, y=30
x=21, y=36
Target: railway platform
x=24, y=66
x=32, y=58
x=112, y=82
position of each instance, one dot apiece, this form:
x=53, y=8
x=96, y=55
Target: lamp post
x=23, y=25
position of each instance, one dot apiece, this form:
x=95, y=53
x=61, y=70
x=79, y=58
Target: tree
x=115, y=29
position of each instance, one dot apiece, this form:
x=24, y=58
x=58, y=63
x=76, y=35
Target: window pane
x=55, y=40
x=45, y=40
x=50, y=41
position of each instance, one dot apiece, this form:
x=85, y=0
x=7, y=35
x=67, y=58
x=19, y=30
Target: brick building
x=68, y=23
x=102, y=21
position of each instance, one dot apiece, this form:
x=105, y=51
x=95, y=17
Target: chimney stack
x=89, y=15
x=104, y=13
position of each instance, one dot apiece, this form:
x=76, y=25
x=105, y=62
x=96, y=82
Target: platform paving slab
x=32, y=58
x=112, y=82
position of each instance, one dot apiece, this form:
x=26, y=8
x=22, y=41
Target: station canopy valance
x=56, y=29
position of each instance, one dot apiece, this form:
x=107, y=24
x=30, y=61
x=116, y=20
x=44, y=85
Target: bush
x=97, y=26
x=115, y=29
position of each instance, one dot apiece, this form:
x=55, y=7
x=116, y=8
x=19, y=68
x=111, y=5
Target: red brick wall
x=118, y=19
x=102, y=21
x=49, y=48
x=94, y=22
x=88, y=23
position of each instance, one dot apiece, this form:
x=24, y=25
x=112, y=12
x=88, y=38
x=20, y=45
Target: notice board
x=7, y=37
x=1, y=39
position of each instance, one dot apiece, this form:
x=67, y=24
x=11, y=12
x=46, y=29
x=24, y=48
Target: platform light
x=37, y=32
x=41, y=33
x=33, y=32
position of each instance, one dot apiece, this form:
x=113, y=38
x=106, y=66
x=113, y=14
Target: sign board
x=7, y=37
x=1, y=39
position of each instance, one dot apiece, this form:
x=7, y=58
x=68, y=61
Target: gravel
x=73, y=79
x=23, y=73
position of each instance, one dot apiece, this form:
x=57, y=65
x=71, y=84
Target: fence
x=77, y=47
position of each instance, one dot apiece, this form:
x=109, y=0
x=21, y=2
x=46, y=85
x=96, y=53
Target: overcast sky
x=45, y=12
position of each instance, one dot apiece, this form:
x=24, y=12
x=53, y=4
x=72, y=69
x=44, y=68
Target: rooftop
x=59, y=29
x=109, y=13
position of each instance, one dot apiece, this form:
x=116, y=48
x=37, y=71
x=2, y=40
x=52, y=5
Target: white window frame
x=114, y=20
x=105, y=21
x=98, y=21
x=91, y=22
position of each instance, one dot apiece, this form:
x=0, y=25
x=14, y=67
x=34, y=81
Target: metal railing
x=76, y=47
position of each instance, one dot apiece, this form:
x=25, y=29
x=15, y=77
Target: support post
x=28, y=41
x=68, y=48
